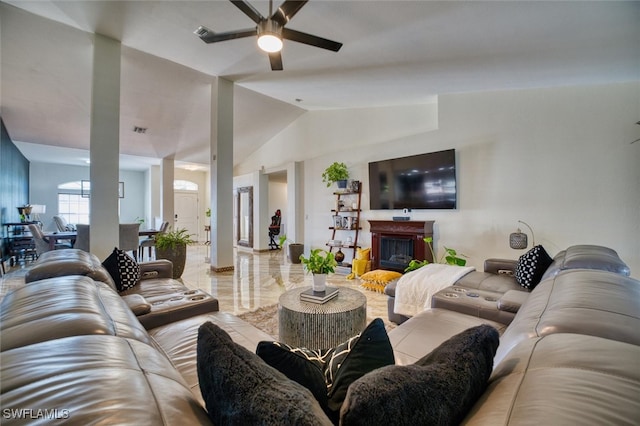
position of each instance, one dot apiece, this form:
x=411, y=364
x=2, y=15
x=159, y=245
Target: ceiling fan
x=270, y=31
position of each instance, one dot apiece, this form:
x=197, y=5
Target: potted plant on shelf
x=172, y=245
x=293, y=249
x=336, y=172
x=319, y=263
x=450, y=257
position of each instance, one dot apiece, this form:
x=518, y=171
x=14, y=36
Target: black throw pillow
x=240, y=389
x=124, y=270
x=338, y=367
x=439, y=389
x=531, y=266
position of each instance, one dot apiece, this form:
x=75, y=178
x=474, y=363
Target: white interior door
x=186, y=212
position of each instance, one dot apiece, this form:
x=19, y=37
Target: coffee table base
x=321, y=326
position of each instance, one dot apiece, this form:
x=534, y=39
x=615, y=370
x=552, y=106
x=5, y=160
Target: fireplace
x=395, y=243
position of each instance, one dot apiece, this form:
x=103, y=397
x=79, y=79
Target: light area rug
x=266, y=319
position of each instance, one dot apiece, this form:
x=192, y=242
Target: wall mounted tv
x=425, y=181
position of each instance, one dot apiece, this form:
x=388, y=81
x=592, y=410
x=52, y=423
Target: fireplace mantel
x=401, y=229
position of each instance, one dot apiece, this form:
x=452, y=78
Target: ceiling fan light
x=270, y=42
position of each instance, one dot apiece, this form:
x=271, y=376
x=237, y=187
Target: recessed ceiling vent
x=141, y=130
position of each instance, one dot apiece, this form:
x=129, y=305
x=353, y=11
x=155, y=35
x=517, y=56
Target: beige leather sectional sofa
x=71, y=345
x=571, y=353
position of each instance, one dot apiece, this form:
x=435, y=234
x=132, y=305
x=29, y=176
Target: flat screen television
x=424, y=181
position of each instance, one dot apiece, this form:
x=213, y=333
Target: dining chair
x=82, y=237
x=41, y=242
x=61, y=224
x=150, y=242
x=129, y=238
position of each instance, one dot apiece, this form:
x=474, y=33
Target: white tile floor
x=258, y=280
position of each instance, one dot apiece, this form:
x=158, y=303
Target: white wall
x=45, y=177
x=559, y=159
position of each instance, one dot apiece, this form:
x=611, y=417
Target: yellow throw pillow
x=378, y=279
x=363, y=254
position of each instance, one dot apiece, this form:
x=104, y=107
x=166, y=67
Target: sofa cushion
x=586, y=256
x=59, y=263
x=438, y=389
x=65, y=306
x=578, y=301
x=99, y=380
x=531, y=266
x=123, y=269
x=239, y=388
x=563, y=379
x=331, y=369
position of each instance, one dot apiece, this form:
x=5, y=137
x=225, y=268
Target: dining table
x=55, y=237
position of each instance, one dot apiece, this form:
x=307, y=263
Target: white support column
x=166, y=191
x=222, y=175
x=295, y=202
x=104, y=143
x=261, y=215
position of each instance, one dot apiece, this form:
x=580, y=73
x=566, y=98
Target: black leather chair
x=274, y=229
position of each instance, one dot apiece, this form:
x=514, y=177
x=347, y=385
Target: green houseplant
x=336, y=172
x=294, y=250
x=172, y=245
x=319, y=263
x=449, y=257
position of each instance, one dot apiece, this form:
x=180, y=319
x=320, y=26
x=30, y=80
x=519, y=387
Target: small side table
x=321, y=326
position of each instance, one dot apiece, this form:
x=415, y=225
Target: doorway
x=186, y=207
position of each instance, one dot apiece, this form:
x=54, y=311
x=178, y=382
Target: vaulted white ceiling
x=394, y=53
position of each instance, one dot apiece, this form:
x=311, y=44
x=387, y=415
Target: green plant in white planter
x=336, y=172
x=172, y=245
x=319, y=263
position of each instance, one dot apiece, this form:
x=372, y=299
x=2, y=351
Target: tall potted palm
x=172, y=245
x=320, y=263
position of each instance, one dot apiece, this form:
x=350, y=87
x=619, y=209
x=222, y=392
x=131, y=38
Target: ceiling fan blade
x=209, y=36
x=311, y=40
x=248, y=10
x=276, y=61
x=287, y=10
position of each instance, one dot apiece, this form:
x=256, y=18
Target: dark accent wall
x=14, y=181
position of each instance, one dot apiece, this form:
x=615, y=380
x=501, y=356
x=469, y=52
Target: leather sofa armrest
x=512, y=300
x=137, y=304
x=161, y=268
x=500, y=266
x=390, y=289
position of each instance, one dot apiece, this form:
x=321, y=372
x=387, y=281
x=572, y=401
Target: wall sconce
x=518, y=239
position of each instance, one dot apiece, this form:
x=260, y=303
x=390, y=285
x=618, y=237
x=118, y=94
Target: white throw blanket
x=415, y=289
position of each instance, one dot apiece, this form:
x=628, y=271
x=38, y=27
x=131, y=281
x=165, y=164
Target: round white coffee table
x=321, y=326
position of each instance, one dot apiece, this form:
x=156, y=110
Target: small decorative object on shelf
x=339, y=255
